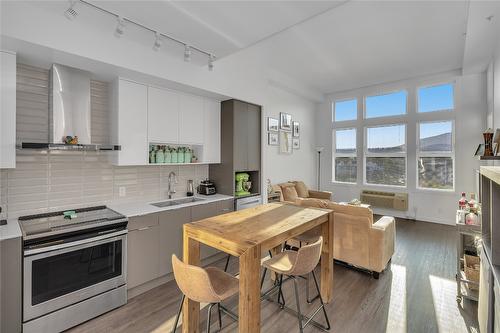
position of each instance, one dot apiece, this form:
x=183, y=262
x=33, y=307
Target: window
x=385, y=155
x=345, y=163
x=392, y=104
x=436, y=98
x=435, y=155
x=345, y=110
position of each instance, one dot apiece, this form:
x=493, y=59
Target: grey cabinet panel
x=240, y=136
x=171, y=223
x=225, y=206
x=253, y=125
x=143, y=252
x=202, y=212
x=144, y=221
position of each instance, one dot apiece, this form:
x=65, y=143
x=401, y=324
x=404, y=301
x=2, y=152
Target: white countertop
x=10, y=230
x=138, y=208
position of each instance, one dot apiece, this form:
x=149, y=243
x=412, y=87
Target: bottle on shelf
x=462, y=203
x=473, y=203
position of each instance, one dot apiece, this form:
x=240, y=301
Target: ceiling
x=219, y=27
x=331, y=46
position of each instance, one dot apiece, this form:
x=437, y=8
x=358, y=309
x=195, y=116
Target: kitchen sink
x=188, y=200
x=176, y=202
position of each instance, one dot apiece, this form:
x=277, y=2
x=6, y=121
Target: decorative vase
x=187, y=156
x=168, y=156
x=174, y=157
x=180, y=156
x=160, y=156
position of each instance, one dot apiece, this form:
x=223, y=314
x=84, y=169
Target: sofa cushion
x=289, y=193
x=301, y=188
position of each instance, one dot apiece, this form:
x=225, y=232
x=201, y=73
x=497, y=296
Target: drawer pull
x=142, y=229
x=226, y=209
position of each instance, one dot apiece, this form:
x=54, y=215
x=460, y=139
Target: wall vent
x=391, y=200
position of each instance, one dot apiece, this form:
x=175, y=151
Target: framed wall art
x=285, y=121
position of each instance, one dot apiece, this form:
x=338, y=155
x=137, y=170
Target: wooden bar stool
x=205, y=285
x=295, y=264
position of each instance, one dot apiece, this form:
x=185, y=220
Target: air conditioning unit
x=391, y=200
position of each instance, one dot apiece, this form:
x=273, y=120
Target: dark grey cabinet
x=241, y=145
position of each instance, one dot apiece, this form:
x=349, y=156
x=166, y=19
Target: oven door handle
x=75, y=243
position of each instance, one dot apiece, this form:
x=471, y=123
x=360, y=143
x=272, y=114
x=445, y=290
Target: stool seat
x=224, y=284
x=282, y=262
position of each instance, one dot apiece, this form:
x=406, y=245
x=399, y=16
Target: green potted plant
x=174, y=155
x=168, y=154
x=188, y=154
x=180, y=155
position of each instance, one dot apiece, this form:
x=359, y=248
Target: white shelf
x=170, y=164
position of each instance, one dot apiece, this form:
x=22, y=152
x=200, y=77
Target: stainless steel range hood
x=69, y=111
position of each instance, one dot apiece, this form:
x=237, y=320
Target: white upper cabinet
x=163, y=115
x=8, y=110
x=211, y=143
x=191, y=119
x=130, y=123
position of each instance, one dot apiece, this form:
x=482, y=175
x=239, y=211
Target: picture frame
x=285, y=121
x=480, y=150
x=272, y=139
x=295, y=129
x=285, y=142
x=272, y=124
x=296, y=143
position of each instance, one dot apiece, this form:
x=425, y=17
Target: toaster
x=206, y=187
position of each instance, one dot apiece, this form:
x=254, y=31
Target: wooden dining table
x=247, y=234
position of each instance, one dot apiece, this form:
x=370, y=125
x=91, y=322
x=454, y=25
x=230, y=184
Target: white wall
x=242, y=75
x=470, y=122
x=301, y=164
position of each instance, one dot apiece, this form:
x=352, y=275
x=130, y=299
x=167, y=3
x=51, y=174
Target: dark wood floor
x=416, y=294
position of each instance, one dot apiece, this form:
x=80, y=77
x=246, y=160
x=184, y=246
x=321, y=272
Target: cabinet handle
x=225, y=209
x=142, y=229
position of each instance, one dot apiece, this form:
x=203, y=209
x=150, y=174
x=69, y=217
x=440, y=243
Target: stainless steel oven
x=61, y=275
x=70, y=268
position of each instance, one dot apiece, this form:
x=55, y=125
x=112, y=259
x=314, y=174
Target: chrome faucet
x=172, y=179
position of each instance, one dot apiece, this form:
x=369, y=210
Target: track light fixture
x=187, y=53
x=71, y=13
x=158, y=41
x=211, y=59
x=120, y=27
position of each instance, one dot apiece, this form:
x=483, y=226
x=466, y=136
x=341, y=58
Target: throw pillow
x=289, y=193
x=302, y=189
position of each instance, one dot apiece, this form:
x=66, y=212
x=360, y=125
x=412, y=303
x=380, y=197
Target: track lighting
x=210, y=62
x=122, y=24
x=187, y=53
x=120, y=27
x=71, y=13
x=158, y=41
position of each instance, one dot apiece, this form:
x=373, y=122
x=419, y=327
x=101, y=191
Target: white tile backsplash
x=49, y=181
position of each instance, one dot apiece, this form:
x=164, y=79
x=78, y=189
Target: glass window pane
x=435, y=98
x=386, y=170
x=346, y=169
x=346, y=110
x=436, y=136
x=345, y=141
x=435, y=172
x=386, y=139
x=392, y=104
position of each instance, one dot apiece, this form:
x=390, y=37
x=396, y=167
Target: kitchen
x=58, y=191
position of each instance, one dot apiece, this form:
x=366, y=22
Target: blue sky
x=430, y=99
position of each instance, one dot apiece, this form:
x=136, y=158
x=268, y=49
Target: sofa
x=358, y=240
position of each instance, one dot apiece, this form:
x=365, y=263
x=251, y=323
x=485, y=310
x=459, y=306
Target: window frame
x=419, y=153
x=367, y=154
x=382, y=93
x=335, y=154
x=440, y=83
x=334, y=109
